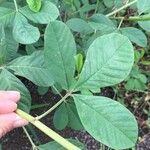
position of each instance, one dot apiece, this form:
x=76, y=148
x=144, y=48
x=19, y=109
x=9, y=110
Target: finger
x=6, y=123
x=7, y=106
x=9, y=122
x=10, y=95
x=20, y=123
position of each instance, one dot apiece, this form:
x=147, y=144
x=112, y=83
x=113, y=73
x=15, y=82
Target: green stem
x=66, y=144
x=134, y=18
x=57, y=91
x=39, y=106
x=54, y=107
x=31, y=141
x=121, y=8
x=121, y=21
x=16, y=6
x=97, y=3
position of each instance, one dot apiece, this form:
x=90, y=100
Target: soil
x=17, y=140
x=145, y=143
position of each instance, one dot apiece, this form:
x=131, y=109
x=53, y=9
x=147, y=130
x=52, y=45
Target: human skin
x=8, y=118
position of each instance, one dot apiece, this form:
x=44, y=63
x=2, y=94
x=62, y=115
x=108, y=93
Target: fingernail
x=7, y=106
x=18, y=118
x=20, y=123
x=13, y=94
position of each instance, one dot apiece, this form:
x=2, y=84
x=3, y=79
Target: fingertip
x=11, y=121
x=10, y=95
x=14, y=95
x=20, y=123
x=7, y=106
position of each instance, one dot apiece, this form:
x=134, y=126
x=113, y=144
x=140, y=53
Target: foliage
x=79, y=48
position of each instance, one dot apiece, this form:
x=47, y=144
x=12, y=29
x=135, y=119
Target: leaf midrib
x=61, y=57
x=111, y=57
x=107, y=120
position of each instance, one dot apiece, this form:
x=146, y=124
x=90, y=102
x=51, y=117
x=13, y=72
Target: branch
x=66, y=144
x=31, y=141
x=134, y=18
x=54, y=107
x=121, y=8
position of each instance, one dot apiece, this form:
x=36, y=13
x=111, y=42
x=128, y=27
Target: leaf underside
x=23, y=32
x=107, y=121
x=109, y=61
x=59, y=53
x=9, y=82
x=32, y=67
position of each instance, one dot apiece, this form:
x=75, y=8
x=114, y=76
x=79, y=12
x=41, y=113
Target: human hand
x=8, y=118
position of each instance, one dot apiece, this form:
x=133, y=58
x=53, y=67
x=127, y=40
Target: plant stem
x=54, y=107
x=16, y=6
x=97, y=3
x=121, y=21
x=31, y=141
x=66, y=144
x=121, y=8
x=134, y=18
x=57, y=91
x=39, y=106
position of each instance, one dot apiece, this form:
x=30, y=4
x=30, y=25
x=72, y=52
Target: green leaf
x=34, y=5
x=60, y=118
x=137, y=81
x=135, y=71
x=107, y=121
x=138, y=55
x=42, y=90
x=79, y=62
x=113, y=3
x=74, y=121
x=23, y=32
x=142, y=77
x=7, y=4
x=6, y=16
x=56, y=89
x=30, y=49
x=8, y=46
x=9, y=82
x=68, y=2
x=109, y=61
x=102, y=23
x=83, y=10
x=79, y=25
x=145, y=25
x=135, y=85
x=53, y=1
x=48, y=12
x=32, y=67
x=135, y=35
x=86, y=92
x=143, y=6
x=55, y=146
x=59, y=53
